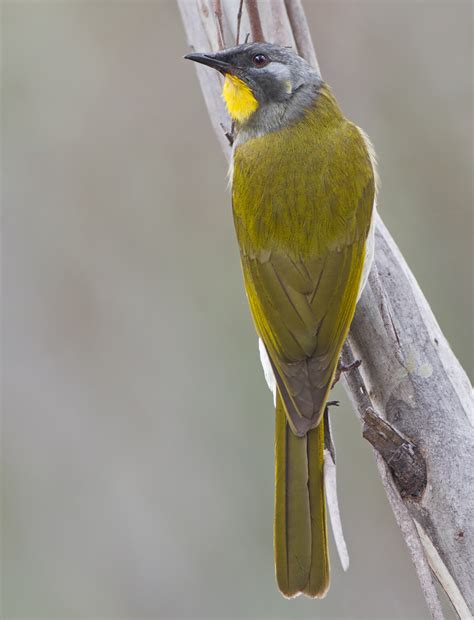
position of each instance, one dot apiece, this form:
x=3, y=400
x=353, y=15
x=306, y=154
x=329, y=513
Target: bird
x=303, y=181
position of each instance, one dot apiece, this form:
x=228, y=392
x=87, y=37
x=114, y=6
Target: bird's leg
x=345, y=368
x=339, y=370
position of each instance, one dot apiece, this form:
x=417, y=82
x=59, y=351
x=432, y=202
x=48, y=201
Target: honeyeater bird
x=303, y=192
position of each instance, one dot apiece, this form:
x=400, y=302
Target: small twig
x=219, y=27
x=254, y=18
x=239, y=20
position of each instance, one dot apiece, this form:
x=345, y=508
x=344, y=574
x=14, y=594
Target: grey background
x=137, y=449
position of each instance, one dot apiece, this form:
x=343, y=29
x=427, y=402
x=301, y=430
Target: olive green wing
x=302, y=311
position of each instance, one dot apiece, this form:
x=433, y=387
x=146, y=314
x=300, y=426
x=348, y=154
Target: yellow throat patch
x=239, y=98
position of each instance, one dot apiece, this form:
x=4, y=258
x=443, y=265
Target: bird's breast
x=298, y=189
x=278, y=183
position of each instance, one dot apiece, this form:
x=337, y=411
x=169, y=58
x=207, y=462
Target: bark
x=411, y=393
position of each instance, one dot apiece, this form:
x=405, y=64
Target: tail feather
x=300, y=531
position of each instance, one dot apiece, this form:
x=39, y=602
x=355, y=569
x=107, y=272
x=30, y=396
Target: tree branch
x=220, y=29
x=409, y=375
x=255, y=23
x=239, y=21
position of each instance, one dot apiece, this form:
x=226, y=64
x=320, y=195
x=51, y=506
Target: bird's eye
x=260, y=60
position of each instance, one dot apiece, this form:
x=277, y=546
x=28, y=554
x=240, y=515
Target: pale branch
x=301, y=33
x=254, y=18
x=239, y=21
x=220, y=29
x=409, y=378
x=362, y=403
x=330, y=485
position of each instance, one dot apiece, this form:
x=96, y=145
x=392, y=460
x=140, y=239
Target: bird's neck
x=277, y=115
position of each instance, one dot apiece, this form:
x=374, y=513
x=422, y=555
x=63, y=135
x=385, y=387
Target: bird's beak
x=211, y=61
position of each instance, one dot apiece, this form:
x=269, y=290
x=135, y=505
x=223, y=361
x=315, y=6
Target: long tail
x=300, y=530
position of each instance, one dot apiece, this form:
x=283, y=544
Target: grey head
x=282, y=82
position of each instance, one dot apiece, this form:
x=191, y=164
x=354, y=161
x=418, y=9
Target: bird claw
x=228, y=134
x=341, y=368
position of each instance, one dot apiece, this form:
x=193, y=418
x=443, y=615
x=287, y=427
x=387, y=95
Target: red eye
x=260, y=60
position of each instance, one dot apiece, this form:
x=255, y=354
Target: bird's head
x=259, y=76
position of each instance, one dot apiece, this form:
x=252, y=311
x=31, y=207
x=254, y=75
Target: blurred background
x=137, y=427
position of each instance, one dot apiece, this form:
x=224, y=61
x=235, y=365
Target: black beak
x=211, y=61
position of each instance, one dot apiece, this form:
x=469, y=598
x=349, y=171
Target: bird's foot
x=230, y=135
x=341, y=368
